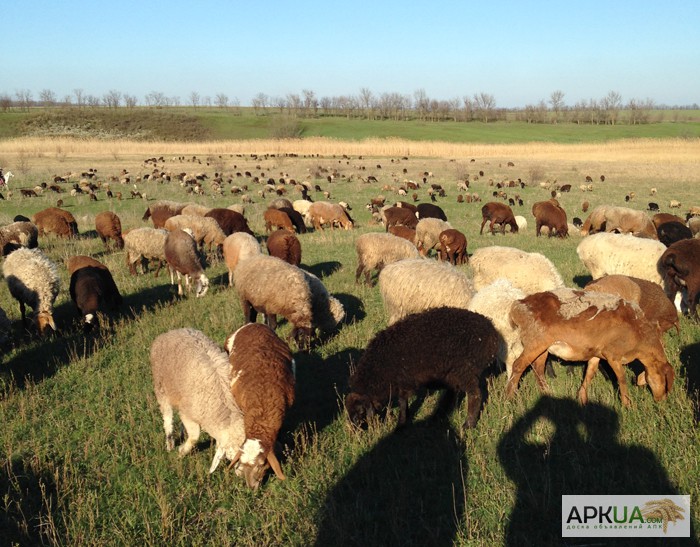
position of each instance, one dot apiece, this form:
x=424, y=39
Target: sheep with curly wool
x=285, y=245
x=529, y=272
x=376, y=250
x=446, y=346
x=414, y=285
x=269, y=285
x=494, y=301
x=262, y=383
x=428, y=232
x=191, y=375
x=144, y=244
x=182, y=258
x=22, y=233
x=237, y=247
x=195, y=209
x=33, y=281
x=108, y=226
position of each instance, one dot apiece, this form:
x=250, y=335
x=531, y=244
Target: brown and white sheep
x=428, y=232
x=108, y=226
x=285, y=245
x=205, y=230
x=323, y=213
x=262, y=384
x=183, y=260
x=681, y=264
x=92, y=288
x=498, y=213
x=22, y=233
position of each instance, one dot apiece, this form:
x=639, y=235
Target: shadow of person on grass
x=690, y=357
x=408, y=490
x=581, y=457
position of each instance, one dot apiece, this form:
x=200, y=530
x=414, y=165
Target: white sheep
x=494, y=301
x=144, y=243
x=521, y=221
x=205, y=230
x=529, y=272
x=413, y=285
x=195, y=209
x=33, y=281
x=237, y=247
x=192, y=375
x=376, y=250
x=428, y=232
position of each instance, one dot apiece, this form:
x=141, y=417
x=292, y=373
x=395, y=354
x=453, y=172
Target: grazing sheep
x=453, y=247
x=302, y=206
x=670, y=232
x=446, y=346
x=285, y=245
x=681, y=264
x=674, y=204
x=280, y=203
x=108, y=226
x=230, y=221
x=608, y=218
x=428, y=232
x=498, y=213
x=270, y=286
x=325, y=213
x=550, y=214
x=192, y=376
x=521, y=222
x=606, y=254
x=409, y=234
x=93, y=288
x=429, y=210
x=33, y=281
x=56, y=221
x=76, y=262
x=195, y=209
x=651, y=298
x=588, y=326
x=529, y=272
x=160, y=211
x=22, y=233
x=182, y=258
x=660, y=218
x=262, y=383
x=237, y=247
x=144, y=244
x=398, y=216
x=296, y=218
x=414, y=285
x=205, y=230
x=376, y=250
x=274, y=219
x=694, y=225
x=494, y=301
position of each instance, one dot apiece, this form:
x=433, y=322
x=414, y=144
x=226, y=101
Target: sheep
x=5, y=328
x=274, y=219
x=376, y=250
x=144, y=244
x=237, y=247
x=302, y=206
x=670, y=232
x=529, y=272
x=262, y=383
x=22, y=233
x=608, y=218
x=450, y=347
x=92, y=288
x=108, y=226
x=398, y=216
x=607, y=253
x=323, y=212
x=550, y=214
x=429, y=210
x=230, y=221
x=651, y=298
x=521, y=222
x=56, y=221
x=660, y=218
x=453, y=246
x=205, y=230
x=191, y=375
x=195, y=209
x=296, y=218
x=588, y=326
x=694, y=225
x=285, y=245
x=33, y=281
x=160, y=211
x=269, y=285
x=498, y=213
x=409, y=234
x=182, y=258
x=428, y=232
x=280, y=203
x=413, y=285
x=674, y=204
x=681, y=265
x=236, y=208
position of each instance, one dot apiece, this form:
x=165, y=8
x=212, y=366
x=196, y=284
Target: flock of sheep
x=446, y=324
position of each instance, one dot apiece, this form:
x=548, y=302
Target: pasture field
x=82, y=451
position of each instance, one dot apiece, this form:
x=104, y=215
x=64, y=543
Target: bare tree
x=92, y=101
x=112, y=99
x=221, y=100
x=556, y=101
x=484, y=104
x=47, y=97
x=79, y=97
x=260, y=102
x=367, y=102
x=5, y=102
x=130, y=101
x=421, y=103
x=612, y=103
x=310, y=102
x=66, y=101
x=468, y=108
x=156, y=98
x=236, y=106
x=24, y=98
x=293, y=104
x=194, y=99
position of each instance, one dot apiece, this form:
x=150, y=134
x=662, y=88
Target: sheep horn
x=275, y=464
x=234, y=461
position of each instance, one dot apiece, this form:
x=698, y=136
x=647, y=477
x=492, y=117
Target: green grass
x=82, y=450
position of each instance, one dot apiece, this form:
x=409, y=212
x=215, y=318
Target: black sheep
x=445, y=347
x=428, y=210
x=670, y=232
x=93, y=289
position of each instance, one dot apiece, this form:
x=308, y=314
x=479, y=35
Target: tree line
x=610, y=109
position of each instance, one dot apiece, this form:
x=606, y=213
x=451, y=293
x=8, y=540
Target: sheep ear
x=217, y=459
x=275, y=464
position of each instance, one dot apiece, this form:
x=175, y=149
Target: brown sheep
x=588, y=326
x=324, y=213
x=400, y=216
x=230, y=221
x=108, y=226
x=160, y=211
x=285, y=245
x=56, y=221
x=82, y=261
x=403, y=231
x=274, y=219
x=681, y=264
x=661, y=218
x=182, y=258
x=609, y=218
x=550, y=214
x=498, y=213
x=453, y=247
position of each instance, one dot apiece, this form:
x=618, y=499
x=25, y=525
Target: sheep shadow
x=408, y=490
x=690, y=357
x=583, y=456
x=146, y=300
x=354, y=307
x=323, y=269
x=30, y=504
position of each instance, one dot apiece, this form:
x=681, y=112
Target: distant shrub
x=536, y=173
x=285, y=127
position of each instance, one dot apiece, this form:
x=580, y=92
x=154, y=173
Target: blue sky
x=519, y=52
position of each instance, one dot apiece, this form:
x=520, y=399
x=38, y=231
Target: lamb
x=33, y=281
x=269, y=285
x=191, y=375
x=607, y=253
x=608, y=218
x=428, y=232
x=160, y=211
x=182, y=258
x=529, y=272
x=144, y=244
x=22, y=233
x=681, y=264
x=494, y=301
x=262, y=372
x=274, y=219
x=93, y=288
x=285, y=245
x=230, y=221
x=205, y=230
x=376, y=250
x=453, y=247
x=651, y=298
x=323, y=212
x=550, y=214
x=447, y=346
x=588, y=326
x=108, y=226
x=56, y=221
x=237, y=247
x=498, y=213
x=414, y=285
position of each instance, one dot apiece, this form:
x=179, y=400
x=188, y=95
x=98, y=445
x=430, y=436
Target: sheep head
x=253, y=461
x=230, y=453
x=201, y=286
x=660, y=376
x=44, y=321
x=359, y=407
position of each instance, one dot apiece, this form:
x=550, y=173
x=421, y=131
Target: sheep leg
x=23, y=311
x=167, y=411
x=528, y=356
x=403, y=409
x=249, y=312
x=358, y=272
x=193, y=431
x=539, y=366
x=591, y=369
x=619, y=370
x=230, y=278
x=474, y=399
x=160, y=264
x=483, y=222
